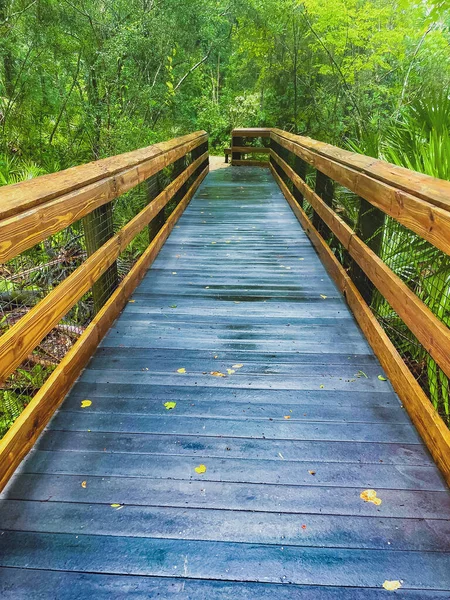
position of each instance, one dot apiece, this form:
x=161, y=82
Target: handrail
x=34, y=210
x=418, y=202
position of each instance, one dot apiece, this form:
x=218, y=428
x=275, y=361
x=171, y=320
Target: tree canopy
x=82, y=79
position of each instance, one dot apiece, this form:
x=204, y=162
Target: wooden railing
x=419, y=203
x=32, y=211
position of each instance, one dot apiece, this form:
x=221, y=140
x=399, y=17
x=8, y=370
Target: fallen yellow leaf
x=182, y=370
x=231, y=371
x=86, y=403
x=287, y=416
x=170, y=405
x=391, y=586
x=83, y=484
x=322, y=296
x=217, y=374
x=370, y=496
x=237, y=366
x=200, y=469
x=381, y=378
x=131, y=301
x=312, y=472
x=117, y=506
x=321, y=386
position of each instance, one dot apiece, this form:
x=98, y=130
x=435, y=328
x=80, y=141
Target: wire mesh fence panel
x=421, y=266
x=25, y=280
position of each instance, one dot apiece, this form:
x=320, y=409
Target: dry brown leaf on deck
x=217, y=374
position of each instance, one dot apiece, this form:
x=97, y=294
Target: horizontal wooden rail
x=413, y=210
x=22, y=196
x=429, y=330
x=434, y=432
x=56, y=205
x=24, y=432
x=21, y=338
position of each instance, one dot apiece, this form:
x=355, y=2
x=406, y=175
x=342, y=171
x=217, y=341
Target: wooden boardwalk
x=109, y=505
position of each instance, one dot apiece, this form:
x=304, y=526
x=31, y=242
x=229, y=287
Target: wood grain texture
x=429, y=330
x=25, y=229
x=26, y=429
x=24, y=335
x=433, y=190
x=429, y=221
x=22, y=196
x=426, y=419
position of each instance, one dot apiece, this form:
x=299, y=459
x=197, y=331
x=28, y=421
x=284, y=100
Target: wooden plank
x=20, y=584
x=24, y=195
x=41, y=319
x=25, y=430
x=206, y=560
x=430, y=222
x=197, y=524
x=426, y=419
x=248, y=497
x=30, y=226
x=429, y=330
x=252, y=132
x=251, y=149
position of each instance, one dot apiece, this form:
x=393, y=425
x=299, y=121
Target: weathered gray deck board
x=278, y=513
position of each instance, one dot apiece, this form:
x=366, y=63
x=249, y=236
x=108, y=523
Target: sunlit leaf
x=391, y=586
x=381, y=378
x=83, y=484
x=322, y=296
x=200, y=469
x=370, y=496
x=170, y=405
x=231, y=371
x=86, y=403
x=117, y=506
x=239, y=366
x=287, y=417
x=182, y=370
x=217, y=374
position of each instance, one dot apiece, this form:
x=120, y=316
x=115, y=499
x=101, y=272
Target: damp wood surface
x=279, y=398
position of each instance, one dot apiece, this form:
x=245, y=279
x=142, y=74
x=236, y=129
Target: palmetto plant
x=418, y=139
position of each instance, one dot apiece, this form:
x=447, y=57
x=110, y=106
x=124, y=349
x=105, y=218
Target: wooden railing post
x=236, y=141
x=324, y=188
x=154, y=188
x=300, y=168
x=98, y=229
x=370, y=228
